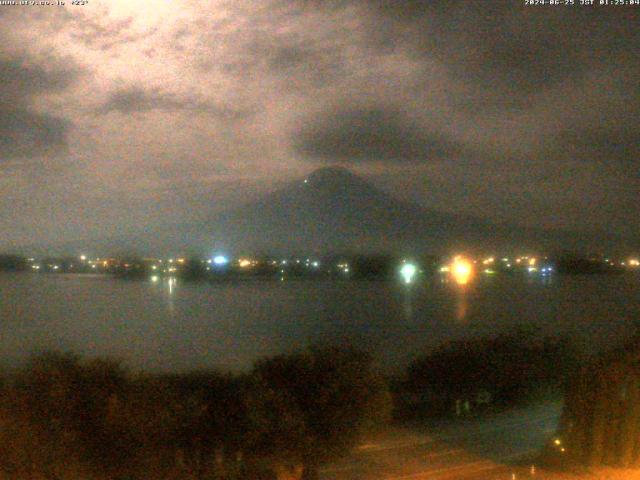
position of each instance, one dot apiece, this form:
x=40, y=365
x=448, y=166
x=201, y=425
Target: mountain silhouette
x=333, y=210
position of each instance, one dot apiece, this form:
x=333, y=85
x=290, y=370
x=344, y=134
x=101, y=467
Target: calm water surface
x=180, y=326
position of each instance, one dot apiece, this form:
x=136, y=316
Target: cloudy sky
x=118, y=115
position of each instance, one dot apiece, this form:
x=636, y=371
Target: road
x=469, y=449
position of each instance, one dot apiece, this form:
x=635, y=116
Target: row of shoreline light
x=461, y=268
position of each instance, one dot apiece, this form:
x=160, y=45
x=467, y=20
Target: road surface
x=484, y=449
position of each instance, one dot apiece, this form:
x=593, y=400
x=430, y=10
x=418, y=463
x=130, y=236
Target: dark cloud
x=519, y=85
x=501, y=45
x=320, y=62
x=303, y=63
x=369, y=135
x=25, y=132
x=24, y=77
x=279, y=46
x=616, y=148
x=98, y=30
x=289, y=57
x=103, y=34
x=137, y=99
x=93, y=31
x=521, y=51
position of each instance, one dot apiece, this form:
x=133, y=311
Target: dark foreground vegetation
x=601, y=419
x=63, y=417
x=472, y=376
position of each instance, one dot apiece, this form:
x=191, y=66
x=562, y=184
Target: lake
x=178, y=326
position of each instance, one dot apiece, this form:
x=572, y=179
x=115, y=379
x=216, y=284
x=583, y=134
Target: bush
x=499, y=371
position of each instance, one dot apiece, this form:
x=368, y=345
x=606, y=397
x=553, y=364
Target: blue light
x=220, y=260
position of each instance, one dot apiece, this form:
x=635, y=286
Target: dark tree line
x=62, y=417
x=573, y=263
x=12, y=262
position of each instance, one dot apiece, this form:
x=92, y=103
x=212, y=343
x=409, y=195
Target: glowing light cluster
x=344, y=267
x=408, y=272
x=220, y=260
x=461, y=270
x=247, y=262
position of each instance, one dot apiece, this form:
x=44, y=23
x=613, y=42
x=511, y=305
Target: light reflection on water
x=177, y=325
x=462, y=303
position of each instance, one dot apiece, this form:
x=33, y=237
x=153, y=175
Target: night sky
x=122, y=115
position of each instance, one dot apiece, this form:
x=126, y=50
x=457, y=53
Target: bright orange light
x=634, y=262
x=532, y=261
x=244, y=263
x=461, y=270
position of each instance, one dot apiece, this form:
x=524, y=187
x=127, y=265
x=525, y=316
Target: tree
x=601, y=417
x=326, y=398
x=64, y=403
